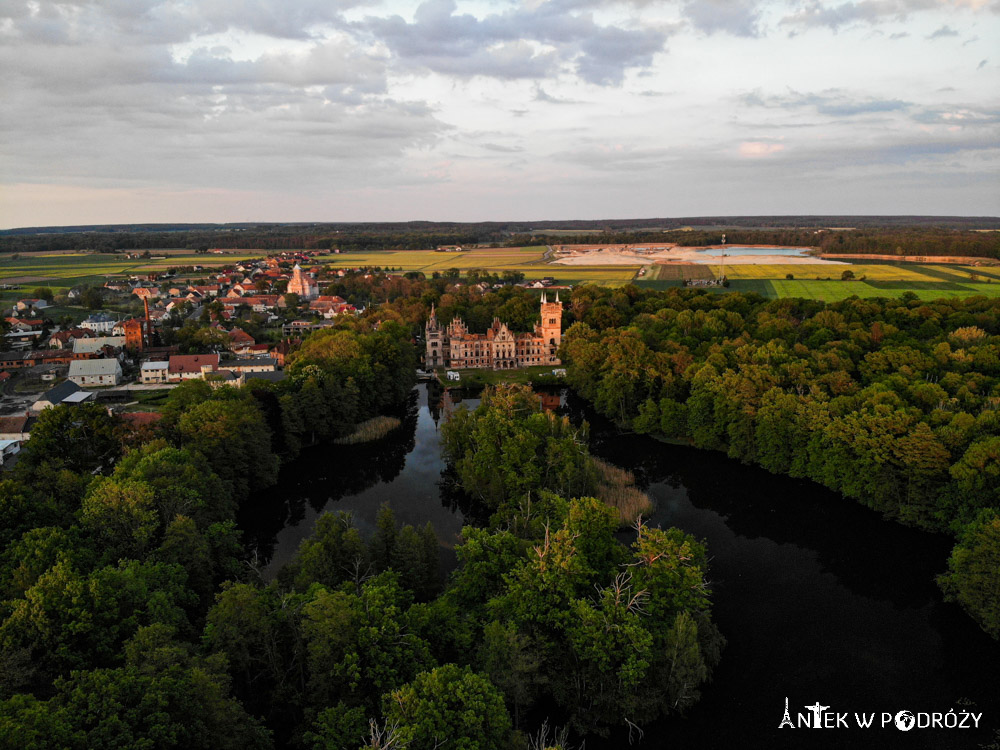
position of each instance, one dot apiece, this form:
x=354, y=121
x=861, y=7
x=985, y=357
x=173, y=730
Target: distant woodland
x=903, y=235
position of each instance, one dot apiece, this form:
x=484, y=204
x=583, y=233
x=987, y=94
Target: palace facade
x=499, y=348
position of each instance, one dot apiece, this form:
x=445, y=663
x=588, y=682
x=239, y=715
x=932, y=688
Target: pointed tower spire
x=543, y=298
x=557, y=295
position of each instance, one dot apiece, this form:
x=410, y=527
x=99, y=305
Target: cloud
x=736, y=17
x=759, y=149
x=533, y=42
x=942, y=32
x=816, y=13
x=833, y=103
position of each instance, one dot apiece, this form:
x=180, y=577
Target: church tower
x=302, y=285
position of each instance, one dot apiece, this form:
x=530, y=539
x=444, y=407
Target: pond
x=820, y=599
x=716, y=252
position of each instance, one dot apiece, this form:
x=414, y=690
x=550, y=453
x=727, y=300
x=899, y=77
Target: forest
x=907, y=235
x=131, y=615
x=893, y=403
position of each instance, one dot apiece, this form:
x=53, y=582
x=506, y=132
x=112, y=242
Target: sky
x=127, y=111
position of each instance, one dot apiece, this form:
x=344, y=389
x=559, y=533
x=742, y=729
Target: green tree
x=235, y=440
x=121, y=516
x=334, y=553
x=972, y=578
x=80, y=438
x=449, y=705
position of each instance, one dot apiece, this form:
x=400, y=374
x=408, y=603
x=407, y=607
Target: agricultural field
x=678, y=271
x=63, y=270
x=835, y=290
x=872, y=272
x=428, y=261
x=820, y=281
x=528, y=260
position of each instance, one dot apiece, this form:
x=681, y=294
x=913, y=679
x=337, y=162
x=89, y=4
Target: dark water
x=820, y=599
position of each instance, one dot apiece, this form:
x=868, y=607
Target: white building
x=153, y=372
x=99, y=323
x=8, y=449
x=91, y=372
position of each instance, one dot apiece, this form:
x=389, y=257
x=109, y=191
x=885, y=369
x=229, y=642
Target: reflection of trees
x=322, y=474
x=754, y=503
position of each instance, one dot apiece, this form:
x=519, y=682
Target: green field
x=872, y=272
x=64, y=270
x=832, y=291
x=811, y=280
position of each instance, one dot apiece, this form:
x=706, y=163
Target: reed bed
x=616, y=487
x=372, y=429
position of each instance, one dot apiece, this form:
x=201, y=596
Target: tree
x=121, y=516
x=333, y=554
x=80, y=438
x=45, y=293
x=972, y=578
x=181, y=480
x=163, y=697
x=847, y=275
x=236, y=442
x=449, y=704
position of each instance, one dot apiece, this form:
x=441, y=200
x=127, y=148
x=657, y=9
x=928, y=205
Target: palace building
x=499, y=348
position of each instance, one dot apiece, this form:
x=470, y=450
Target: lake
x=716, y=252
x=820, y=599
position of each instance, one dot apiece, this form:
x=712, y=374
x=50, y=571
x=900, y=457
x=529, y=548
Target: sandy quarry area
x=629, y=255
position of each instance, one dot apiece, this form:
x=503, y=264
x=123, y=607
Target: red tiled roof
x=183, y=363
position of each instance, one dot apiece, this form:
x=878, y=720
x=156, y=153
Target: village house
x=16, y=427
x=153, y=372
x=95, y=372
x=55, y=396
x=190, y=366
x=64, y=339
x=16, y=360
x=97, y=344
x=99, y=323
x=31, y=304
x=260, y=364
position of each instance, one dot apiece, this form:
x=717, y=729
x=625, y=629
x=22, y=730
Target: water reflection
x=820, y=598
x=402, y=470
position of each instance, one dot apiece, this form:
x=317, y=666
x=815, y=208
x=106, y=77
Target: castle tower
x=551, y=325
x=434, y=356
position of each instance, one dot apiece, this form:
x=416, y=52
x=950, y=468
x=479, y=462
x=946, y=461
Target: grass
x=370, y=430
x=616, y=487
x=64, y=270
